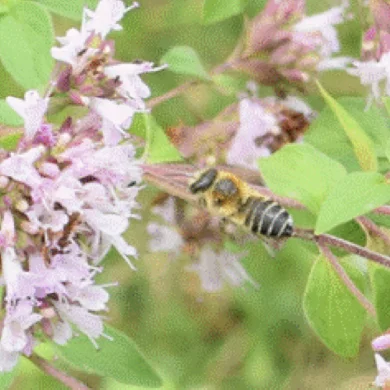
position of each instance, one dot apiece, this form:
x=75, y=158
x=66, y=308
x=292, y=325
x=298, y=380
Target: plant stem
x=327, y=239
x=384, y=210
x=366, y=304
x=183, y=87
x=171, y=94
x=374, y=229
x=61, y=376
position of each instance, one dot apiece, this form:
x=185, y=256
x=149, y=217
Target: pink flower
x=383, y=378
x=19, y=167
x=114, y=91
x=19, y=319
x=374, y=74
x=106, y=16
x=132, y=85
x=286, y=47
x=76, y=205
x=380, y=343
x=255, y=123
x=32, y=109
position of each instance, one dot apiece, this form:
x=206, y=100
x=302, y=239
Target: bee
x=231, y=198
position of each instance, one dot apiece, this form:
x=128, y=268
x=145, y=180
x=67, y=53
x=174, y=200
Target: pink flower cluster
x=285, y=47
x=68, y=192
x=66, y=200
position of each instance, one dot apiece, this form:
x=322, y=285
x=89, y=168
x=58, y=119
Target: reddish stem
x=374, y=229
x=61, y=376
x=333, y=261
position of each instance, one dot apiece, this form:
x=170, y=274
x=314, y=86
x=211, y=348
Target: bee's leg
x=223, y=225
x=273, y=245
x=232, y=232
x=202, y=202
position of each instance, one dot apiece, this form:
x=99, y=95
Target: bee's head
x=225, y=192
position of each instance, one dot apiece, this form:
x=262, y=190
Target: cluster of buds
x=68, y=192
x=92, y=77
x=244, y=132
x=265, y=125
x=284, y=47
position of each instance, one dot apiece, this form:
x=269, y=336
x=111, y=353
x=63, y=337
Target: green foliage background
x=243, y=338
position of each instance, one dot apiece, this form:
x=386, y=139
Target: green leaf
x=118, y=359
x=327, y=135
x=362, y=144
x=26, y=38
x=184, y=60
x=217, y=10
x=158, y=148
x=3, y=9
x=229, y=85
x=332, y=311
x=8, y=116
x=301, y=172
x=10, y=141
x=380, y=282
x=6, y=379
x=387, y=151
x=380, y=277
x=357, y=194
x=69, y=9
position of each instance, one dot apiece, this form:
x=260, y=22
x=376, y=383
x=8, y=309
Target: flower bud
x=3, y=181
x=22, y=205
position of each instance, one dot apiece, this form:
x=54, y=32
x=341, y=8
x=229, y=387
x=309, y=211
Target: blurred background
x=237, y=338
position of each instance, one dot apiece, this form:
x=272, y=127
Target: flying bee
x=226, y=195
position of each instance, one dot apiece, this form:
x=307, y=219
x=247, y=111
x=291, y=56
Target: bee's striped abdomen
x=267, y=218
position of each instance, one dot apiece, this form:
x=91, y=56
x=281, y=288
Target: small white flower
x=72, y=44
x=323, y=23
x=373, y=73
x=62, y=332
x=88, y=323
x=124, y=249
x=166, y=210
x=17, y=281
x=215, y=268
x=319, y=31
x=164, y=238
x=18, y=320
x=106, y=17
x=32, y=109
x=111, y=224
x=8, y=360
x=44, y=218
x=119, y=114
x=89, y=296
x=383, y=377
x=255, y=122
x=20, y=167
x=8, y=228
x=132, y=85
x=72, y=266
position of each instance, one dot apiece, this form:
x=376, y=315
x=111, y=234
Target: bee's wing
x=242, y=236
